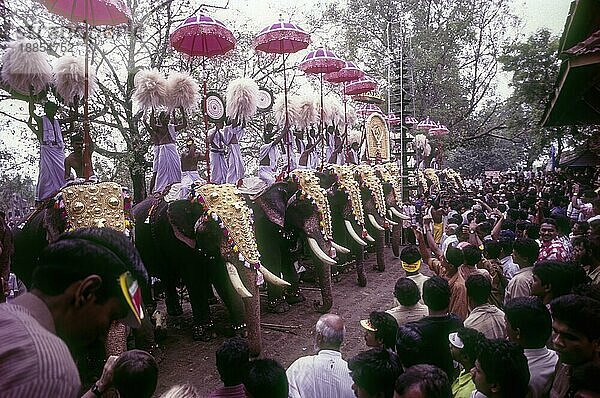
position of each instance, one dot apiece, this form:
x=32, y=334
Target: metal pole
x=87, y=140
x=321, y=126
x=287, y=123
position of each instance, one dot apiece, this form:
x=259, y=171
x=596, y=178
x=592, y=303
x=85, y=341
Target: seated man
x=410, y=309
x=232, y=363
x=189, y=167
x=90, y=274
x=500, y=370
x=423, y=381
x=374, y=373
x=74, y=162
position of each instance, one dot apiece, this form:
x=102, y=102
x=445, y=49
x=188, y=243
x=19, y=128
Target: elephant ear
x=273, y=202
x=182, y=215
x=53, y=222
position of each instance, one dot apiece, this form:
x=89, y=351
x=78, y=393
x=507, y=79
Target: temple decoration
x=347, y=182
x=378, y=138
x=391, y=176
x=311, y=190
x=373, y=184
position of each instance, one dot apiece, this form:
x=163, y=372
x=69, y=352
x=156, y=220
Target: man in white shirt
x=528, y=323
x=410, y=260
x=325, y=375
x=525, y=254
x=509, y=268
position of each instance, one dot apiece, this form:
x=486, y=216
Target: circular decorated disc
x=265, y=100
x=215, y=107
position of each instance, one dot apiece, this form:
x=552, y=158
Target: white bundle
x=279, y=111
x=330, y=111
x=307, y=110
x=25, y=67
x=183, y=91
x=339, y=113
x=427, y=150
x=354, y=136
x=242, y=99
x=420, y=142
x=351, y=116
x=151, y=89
x=69, y=79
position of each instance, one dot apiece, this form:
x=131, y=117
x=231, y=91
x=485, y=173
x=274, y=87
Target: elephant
x=197, y=240
x=282, y=218
x=6, y=253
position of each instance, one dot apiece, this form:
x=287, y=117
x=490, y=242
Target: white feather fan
x=420, y=142
x=242, y=99
x=427, y=150
x=351, y=116
x=307, y=111
x=354, y=136
x=330, y=111
x=69, y=78
x=279, y=111
x=151, y=89
x=25, y=68
x=183, y=91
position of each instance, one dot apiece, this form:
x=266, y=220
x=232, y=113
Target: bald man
x=325, y=374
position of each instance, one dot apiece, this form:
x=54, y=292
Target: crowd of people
x=500, y=297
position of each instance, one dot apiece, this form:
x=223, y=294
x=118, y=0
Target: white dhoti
x=218, y=167
x=51, y=176
x=235, y=163
x=166, y=165
x=188, y=178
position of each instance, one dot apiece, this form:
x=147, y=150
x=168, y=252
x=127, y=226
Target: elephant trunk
x=395, y=240
x=252, y=306
x=325, y=285
x=360, y=267
x=379, y=245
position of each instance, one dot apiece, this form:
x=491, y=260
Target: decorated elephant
x=208, y=239
x=6, y=252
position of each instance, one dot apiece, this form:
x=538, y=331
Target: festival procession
x=271, y=199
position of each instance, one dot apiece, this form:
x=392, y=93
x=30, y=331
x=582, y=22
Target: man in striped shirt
x=83, y=282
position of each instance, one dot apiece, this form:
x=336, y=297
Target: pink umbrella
x=360, y=86
x=206, y=37
x=321, y=61
x=95, y=13
x=439, y=130
x=392, y=119
x=410, y=120
x=426, y=124
x=364, y=110
x=282, y=38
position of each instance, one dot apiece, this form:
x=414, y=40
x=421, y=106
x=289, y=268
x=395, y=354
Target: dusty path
x=194, y=362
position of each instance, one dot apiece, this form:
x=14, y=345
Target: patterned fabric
x=34, y=362
x=554, y=250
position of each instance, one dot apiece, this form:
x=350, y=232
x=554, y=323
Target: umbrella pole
x=345, y=146
x=321, y=127
x=205, y=109
x=286, y=124
x=87, y=141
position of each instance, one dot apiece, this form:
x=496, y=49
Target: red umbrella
x=282, y=38
x=360, y=86
x=426, y=124
x=321, y=61
x=95, y=13
x=206, y=37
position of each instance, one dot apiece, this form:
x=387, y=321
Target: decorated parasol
x=410, y=121
x=282, y=38
x=392, y=119
x=364, y=110
x=426, y=124
x=348, y=73
x=206, y=37
x=360, y=86
x=439, y=130
x=95, y=13
x=321, y=61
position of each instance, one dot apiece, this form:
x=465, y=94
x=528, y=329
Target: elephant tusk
x=374, y=223
x=398, y=214
x=369, y=238
x=314, y=246
x=353, y=233
x=391, y=222
x=272, y=278
x=237, y=283
x=340, y=248
x=390, y=214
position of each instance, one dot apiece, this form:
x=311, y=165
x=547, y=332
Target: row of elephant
x=334, y=213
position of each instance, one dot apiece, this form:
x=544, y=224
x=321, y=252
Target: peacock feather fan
x=25, y=68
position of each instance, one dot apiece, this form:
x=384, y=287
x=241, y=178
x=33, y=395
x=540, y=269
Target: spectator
x=325, y=374
x=579, y=229
x=75, y=279
x=411, y=263
x=509, y=268
x=552, y=279
x=410, y=346
x=586, y=252
x=374, y=373
x=135, y=374
x=436, y=327
x=423, y=381
x=492, y=251
x=464, y=345
x=380, y=330
x=529, y=325
x=266, y=379
x=584, y=381
x=552, y=247
x=501, y=370
x=484, y=317
x=233, y=357
x=408, y=295
x=472, y=256
x=182, y=391
x=576, y=337
x=525, y=253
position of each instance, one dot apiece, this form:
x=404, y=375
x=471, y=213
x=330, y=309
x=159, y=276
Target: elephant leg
x=360, y=265
x=172, y=301
x=288, y=270
x=197, y=280
x=379, y=249
x=324, y=276
x=274, y=247
x=395, y=239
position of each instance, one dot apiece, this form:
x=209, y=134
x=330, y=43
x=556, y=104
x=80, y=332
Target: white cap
x=455, y=340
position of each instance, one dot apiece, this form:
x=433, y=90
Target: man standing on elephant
x=189, y=167
x=52, y=155
x=325, y=374
x=268, y=155
x=232, y=135
x=218, y=165
x=91, y=274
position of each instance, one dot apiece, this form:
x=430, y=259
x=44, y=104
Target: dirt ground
x=188, y=361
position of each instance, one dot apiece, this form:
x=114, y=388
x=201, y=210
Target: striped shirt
x=325, y=375
x=34, y=362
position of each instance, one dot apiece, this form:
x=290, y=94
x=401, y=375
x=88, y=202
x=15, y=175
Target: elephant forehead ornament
x=370, y=181
x=346, y=180
x=311, y=190
x=432, y=176
x=94, y=205
x=225, y=205
x=389, y=177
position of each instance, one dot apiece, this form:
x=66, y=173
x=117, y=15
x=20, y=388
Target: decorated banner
x=378, y=138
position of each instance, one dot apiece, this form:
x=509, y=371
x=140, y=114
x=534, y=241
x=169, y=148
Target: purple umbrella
x=360, y=86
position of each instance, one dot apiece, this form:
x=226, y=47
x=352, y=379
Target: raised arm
x=183, y=123
x=498, y=226
x=37, y=128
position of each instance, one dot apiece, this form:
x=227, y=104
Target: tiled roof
x=588, y=46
